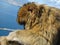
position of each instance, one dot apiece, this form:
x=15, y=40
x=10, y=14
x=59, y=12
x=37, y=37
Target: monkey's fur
x=41, y=23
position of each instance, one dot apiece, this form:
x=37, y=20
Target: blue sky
x=54, y=3
x=9, y=9
x=8, y=15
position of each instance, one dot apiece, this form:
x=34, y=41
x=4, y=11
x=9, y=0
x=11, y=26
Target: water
x=8, y=18
x=4, y=32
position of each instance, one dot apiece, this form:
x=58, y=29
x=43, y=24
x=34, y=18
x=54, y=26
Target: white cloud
x=53, y=3
x=14, y=2
x=32, y=0
x=56, y=1
x=37, y=1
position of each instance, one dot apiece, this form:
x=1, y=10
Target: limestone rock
x=4, y=41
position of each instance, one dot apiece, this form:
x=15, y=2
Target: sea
x=7, y=23
x=8, y=18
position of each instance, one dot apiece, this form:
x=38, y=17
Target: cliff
x=41, y=26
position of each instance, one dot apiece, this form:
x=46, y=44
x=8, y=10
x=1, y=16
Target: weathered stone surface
x=4, y=41
x=42, y=26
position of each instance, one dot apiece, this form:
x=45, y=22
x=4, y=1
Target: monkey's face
x=22, y=16
x=26, y=12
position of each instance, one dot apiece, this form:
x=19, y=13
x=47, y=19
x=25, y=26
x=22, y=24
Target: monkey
x=41, y=25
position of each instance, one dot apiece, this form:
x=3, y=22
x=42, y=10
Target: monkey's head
x=26, y=12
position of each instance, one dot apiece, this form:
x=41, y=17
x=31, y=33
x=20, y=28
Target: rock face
x=4, y=41
x=41, y=26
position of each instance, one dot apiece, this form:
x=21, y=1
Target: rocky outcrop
x=41, y=23
x=4, y=41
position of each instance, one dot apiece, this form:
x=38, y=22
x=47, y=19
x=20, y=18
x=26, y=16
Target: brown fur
x=27, y=15
x=31, y=14
x=47, y=18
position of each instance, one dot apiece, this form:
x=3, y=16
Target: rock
x=41, y=26
x=4, y=41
